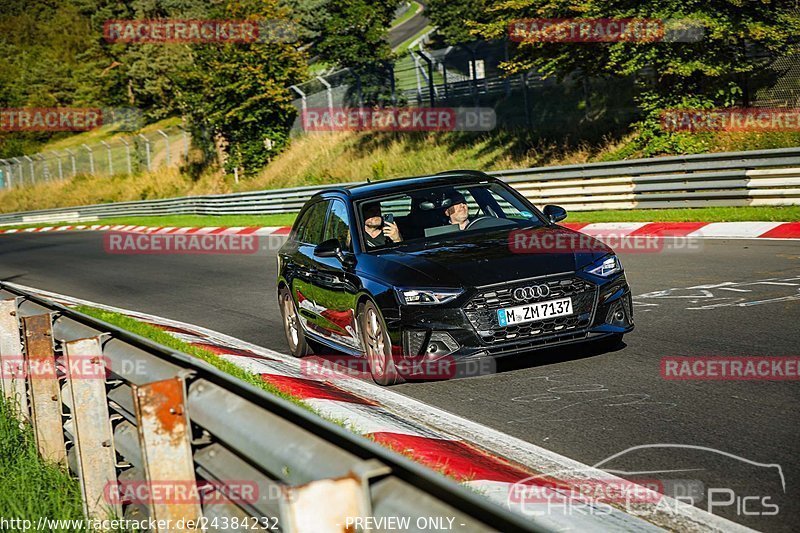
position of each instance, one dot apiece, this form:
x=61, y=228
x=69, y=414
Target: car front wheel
x=377, y=346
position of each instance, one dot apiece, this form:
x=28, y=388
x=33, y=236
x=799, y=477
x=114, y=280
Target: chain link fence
x=469, y=75
x=130, y=154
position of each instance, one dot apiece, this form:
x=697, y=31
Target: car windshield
x=438, y=214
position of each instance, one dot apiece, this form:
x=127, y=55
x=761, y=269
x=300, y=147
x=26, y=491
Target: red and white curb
x=707, y=230
x=485, y=459
x=161, y=230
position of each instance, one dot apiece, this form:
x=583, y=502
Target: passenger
x=377, y=231
x=458, y=212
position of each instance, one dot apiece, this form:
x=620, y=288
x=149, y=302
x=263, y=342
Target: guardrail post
x=21, y=173
x=147, y=149
x=72, y=158
x=165, y=442
x=347, y=496
x=303, y=103
x=96, y=458
x=415, y=59
x=110, y=163
x=13, y=368
x=166, y=142
x=185, y=145
x=431, y=87
x=127, y=153
x=6, y=174
x=45, y=167
x=33, y=171
x=328, y=91
x=45, y=392
x=91, y=158
x=60, y=166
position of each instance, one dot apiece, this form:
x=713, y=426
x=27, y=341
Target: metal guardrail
x=766, y=177
x=156, y=416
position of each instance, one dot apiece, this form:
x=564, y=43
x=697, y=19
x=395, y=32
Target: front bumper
x=429, y=333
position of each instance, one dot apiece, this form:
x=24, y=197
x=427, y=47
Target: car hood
x=490, y=257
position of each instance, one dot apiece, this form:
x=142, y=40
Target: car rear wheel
x=377, y=345
x=298, y=345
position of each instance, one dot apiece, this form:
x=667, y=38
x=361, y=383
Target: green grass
x=412, y=10
x=180, y=221
x=105, y=133
x=702, y=214
x=30, y=488
x=403, y=47
x=162, y=337
x=699, y=214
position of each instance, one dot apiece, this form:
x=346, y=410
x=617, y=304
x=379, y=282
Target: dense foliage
x=738, y=38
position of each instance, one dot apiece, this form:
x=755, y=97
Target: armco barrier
x=766, y=177
x=142, y=415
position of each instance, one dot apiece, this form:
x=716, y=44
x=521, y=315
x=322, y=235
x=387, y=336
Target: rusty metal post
x=165, y=442
x=45, y=391
x=12, y=366
x=96, y=458
x=301, y=511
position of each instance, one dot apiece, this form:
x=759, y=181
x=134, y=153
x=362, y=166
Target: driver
x=458, y=212
x=378, y=232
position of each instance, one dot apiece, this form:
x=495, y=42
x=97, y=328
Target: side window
x=309, y=230
x=338, y=226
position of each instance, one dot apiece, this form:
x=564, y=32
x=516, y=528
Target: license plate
x=533, y=312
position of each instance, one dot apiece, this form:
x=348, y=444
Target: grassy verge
x=317, y=159
x=31, y=488
x=789, y=213
x=412, y=10
x=227, y=221
x=162, y=337
x=699, y=214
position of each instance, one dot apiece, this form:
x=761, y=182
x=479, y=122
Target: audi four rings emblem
x=530, y=292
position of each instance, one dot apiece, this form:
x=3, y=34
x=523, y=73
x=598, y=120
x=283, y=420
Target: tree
x=237, y=94
x=355, y=33
x=702, y=74
x=451, y=18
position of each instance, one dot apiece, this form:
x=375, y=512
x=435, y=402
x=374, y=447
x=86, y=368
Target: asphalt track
x=411, y=27
x=733, y=297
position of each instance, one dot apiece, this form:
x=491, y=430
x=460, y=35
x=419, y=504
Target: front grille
x=481, y=310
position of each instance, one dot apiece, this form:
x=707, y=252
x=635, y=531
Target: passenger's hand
x=390, y=230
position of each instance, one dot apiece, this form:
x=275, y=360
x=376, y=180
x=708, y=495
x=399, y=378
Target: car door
x=335, y=284
x=304, y=282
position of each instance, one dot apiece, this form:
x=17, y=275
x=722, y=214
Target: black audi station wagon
x=458, y=265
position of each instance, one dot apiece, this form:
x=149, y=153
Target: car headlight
x=605, y=267
x=427, y=296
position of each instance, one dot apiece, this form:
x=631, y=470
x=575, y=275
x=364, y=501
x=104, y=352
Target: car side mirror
x=555, y=213
x=333, y=248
